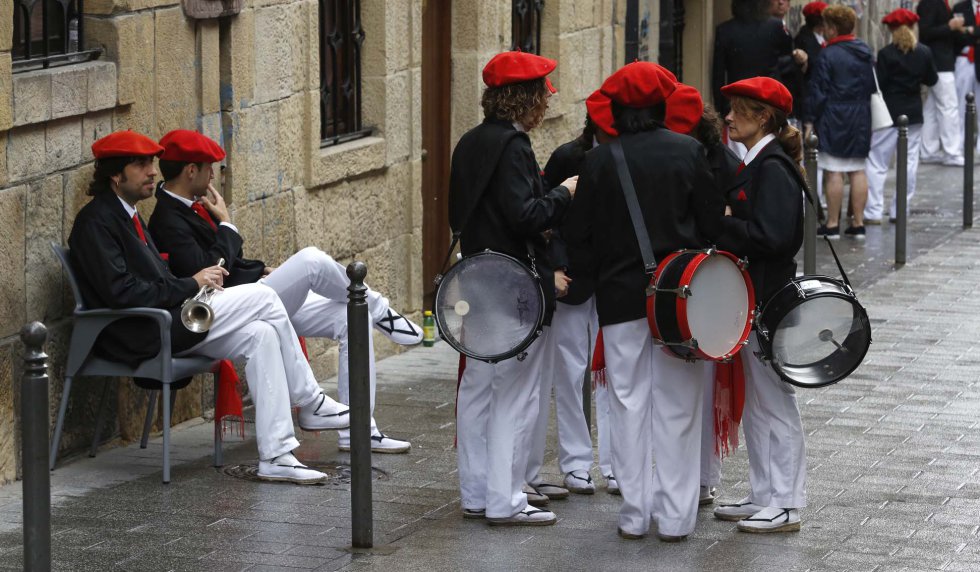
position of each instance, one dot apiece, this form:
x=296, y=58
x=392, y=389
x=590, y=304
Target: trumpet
x=196, y=313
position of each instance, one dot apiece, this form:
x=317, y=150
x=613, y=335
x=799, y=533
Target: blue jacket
x=839, y=99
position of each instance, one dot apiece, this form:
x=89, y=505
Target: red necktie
x=741, y=167
x=203, y=213
x=139, y=228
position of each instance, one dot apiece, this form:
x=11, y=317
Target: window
x=48, y=32
x=526, y=25
x=341, y=38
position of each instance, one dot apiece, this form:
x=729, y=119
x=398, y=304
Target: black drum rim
x=456, y=345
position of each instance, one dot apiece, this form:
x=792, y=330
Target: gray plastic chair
x=162, y=367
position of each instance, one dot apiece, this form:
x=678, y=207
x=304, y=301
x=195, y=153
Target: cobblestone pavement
x=893, y=453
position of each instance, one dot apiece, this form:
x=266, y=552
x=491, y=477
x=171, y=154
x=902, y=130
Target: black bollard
x=810, y=211
x=34, y=449
x=969, y=144
x=358, y=330
x=901, y=190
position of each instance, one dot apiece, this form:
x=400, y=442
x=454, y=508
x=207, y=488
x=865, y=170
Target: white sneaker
x=323, y=414
x=951, y=161
x=707, y=496
x=612, y=487
x=399, y=329
x=738, y=511
x=772, y=519
x=530, y=516
x=380, y=443
x=285, y=468
x=553, y=492
x=580, y=483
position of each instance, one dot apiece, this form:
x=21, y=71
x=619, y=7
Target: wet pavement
x=893, y=451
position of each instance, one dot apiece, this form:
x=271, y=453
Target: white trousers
x=602, y=429
x=251, y=325
x=313, y=289
x=942, y=130
x=572, y=335
x=655, y=400
x=966, y=82
x=884, y=143
x=710, y=461
x=496, y=407
x=773, y=435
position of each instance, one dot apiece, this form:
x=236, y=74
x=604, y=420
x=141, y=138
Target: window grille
x=47, y=33
x=526, y=25
x=341, y=40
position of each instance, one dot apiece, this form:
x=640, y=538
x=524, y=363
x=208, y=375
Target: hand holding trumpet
x=211, y=277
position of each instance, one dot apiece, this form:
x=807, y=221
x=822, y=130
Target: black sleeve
x=881, y=69
x=558, y=251
x=932, y=26
x=708, y=204
x=931, y=76
x=515, y=182
x=777, y=208
x=102, y=260
x=188, y=257
x=577, y=233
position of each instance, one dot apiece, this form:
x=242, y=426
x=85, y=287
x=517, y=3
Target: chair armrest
x=92, y=322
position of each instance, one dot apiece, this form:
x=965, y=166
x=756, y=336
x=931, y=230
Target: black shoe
x=855, y=232
x=832, y=233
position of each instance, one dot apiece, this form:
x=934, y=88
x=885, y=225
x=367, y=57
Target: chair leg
x=60, y=424
x=218, y=437
x=151, y=405
x=100, y=418
x=167, y=403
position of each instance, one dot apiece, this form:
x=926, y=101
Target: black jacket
x=839, y=98
x=766, y=225
x=193, y=245
x=495, y=176
x=807, y=41
x=724, y=166
x=934, y=16
x=901, y=76
x=566, y=161
x=680, y=208
x=963, y=40
x=116, y=270
x=747, y=48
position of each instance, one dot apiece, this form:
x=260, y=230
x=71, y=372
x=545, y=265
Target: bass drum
x=813, y=331
x=489, y=306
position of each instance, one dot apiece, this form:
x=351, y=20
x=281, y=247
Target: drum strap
x=636, y=215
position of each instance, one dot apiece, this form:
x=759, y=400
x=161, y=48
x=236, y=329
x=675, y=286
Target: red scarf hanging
x=729, y=402
x=599, y=362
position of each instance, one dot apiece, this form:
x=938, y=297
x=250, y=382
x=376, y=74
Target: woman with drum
x=497, y=202
x=766, y=226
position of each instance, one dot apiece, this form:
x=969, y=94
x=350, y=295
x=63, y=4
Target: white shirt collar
x=819, y=38
x=130, y=209
x=517, y=125
x=757, y=148
x=187, y=203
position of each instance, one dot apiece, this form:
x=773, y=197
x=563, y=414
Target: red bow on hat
x=125, y=144
x=639, y=84
x=684, y=109
x=599, y=107
x=190, y=147
x=764, y=89
x=814, y=8
x=515, y=67
x=900, y=17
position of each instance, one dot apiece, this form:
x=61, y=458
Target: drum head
x=821, y=340
x=489, y=307
x=718, y=309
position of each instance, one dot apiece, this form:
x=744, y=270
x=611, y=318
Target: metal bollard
x=810, y=211
x=901, y=190
x=34, y=449
x=968, y=148
x=358, y=330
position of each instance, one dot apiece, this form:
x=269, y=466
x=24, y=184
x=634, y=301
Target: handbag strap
x=636, y=215
x=875, y=75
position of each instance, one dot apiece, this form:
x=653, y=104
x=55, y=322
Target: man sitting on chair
x=191, y=224
x=119, y=266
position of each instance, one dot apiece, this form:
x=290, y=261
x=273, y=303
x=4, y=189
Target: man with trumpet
x=192, y=225
x=119, y=266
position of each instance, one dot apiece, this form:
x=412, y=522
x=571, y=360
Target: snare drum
x=700, y=304
x=813, y=332
x=489, y=306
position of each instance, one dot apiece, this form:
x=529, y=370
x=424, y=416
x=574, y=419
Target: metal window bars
x=48, y=33
x=526, y=25
x=341, y=42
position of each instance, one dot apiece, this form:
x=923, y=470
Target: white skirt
x=835, y=164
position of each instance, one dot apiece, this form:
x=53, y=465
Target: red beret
x=639, y=84
x=190, y=147
x=125, y=144
x=600, y=112
x=684, y=109
x=764, y=89
x=900, y=17
x=514, y=67
x=814, y=8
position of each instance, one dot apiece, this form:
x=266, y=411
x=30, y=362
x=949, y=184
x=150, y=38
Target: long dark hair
x=584, y=140
x=105, y=170
x=637, y=119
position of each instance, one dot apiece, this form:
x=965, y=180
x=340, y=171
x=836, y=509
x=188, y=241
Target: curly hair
x=522, y=102
x=105, y=170
x=904, y=39
x=842, y=18
x=788, y=136
x=708, y=130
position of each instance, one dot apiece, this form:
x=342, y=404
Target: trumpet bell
x=196, y=316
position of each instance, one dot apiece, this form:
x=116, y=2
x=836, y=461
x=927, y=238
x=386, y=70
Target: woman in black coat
x=839, y=108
